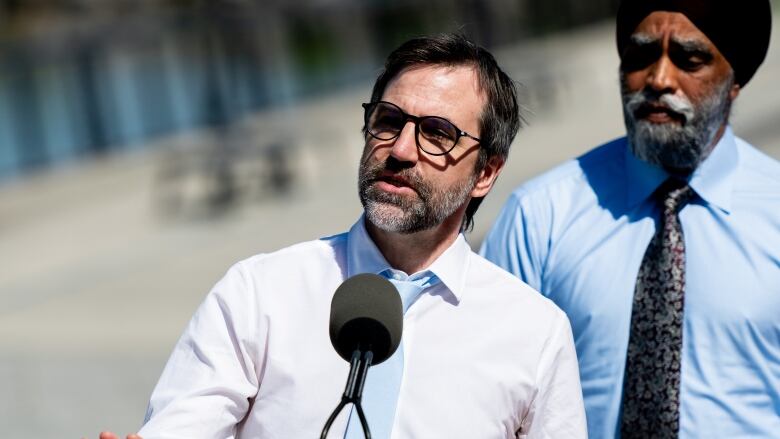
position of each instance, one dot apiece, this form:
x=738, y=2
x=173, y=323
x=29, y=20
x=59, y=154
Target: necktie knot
x=409, y=288
x=674, y=194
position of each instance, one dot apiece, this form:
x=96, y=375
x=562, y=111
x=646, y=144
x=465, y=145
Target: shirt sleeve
x=515, y=242
x=558, y=411
x=211, y=377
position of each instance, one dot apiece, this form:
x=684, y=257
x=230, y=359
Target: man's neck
x=413, y=252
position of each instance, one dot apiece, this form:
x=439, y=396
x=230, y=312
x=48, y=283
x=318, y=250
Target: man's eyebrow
x=692, y=45
x=643, y=39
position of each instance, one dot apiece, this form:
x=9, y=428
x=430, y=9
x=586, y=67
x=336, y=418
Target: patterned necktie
x=383, y=382
x=651, y=388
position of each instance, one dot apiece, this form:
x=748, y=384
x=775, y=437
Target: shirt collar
x=712, y=180
x=363, y=256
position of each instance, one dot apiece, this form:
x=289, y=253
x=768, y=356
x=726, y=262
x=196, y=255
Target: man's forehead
x=674, y=24
x=420, y=70
x=446, y=81
x=674, y=28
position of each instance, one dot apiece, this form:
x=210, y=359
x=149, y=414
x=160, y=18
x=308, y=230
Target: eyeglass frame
x=416, y=120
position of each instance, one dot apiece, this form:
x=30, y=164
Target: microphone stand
x=358, y=369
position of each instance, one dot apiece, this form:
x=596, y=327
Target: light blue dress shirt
x=578, y=234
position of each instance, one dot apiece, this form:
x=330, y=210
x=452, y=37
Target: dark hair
x=500, y=119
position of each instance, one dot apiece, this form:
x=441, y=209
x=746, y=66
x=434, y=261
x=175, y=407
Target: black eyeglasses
x=434, y=135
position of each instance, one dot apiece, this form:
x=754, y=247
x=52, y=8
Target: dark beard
x=428, y=209
x=679, y=149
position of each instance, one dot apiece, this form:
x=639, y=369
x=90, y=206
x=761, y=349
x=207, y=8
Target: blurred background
x=146, y=145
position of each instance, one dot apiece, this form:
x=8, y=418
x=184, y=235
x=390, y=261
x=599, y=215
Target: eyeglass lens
x=436, y=135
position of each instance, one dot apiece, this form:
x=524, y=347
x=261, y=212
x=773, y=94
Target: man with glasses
x=484, y=356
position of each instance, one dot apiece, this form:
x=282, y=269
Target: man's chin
x=389, y=209
x=393, y=218
x=672, y=158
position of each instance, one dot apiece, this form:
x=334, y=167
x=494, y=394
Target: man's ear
x=734, y=92
x=487, y=177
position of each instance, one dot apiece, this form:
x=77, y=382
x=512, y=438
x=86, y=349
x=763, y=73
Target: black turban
x=739, y=29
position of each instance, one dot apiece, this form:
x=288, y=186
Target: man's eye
x=639, y=57
x=439, y=130
x=690, y=61
x=439, y=134
x=689, y=58
x=388, y=121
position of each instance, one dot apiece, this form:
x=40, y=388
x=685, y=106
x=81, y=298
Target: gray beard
x=404, y=214
x=676, y=148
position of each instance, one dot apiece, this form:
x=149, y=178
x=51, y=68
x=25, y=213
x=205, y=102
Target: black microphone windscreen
x=366, y=313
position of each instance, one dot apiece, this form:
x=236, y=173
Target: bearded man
x=482, y=355
x=663, y=247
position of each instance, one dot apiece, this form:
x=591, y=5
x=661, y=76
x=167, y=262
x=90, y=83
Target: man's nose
x=405, y=145
x=662, y=77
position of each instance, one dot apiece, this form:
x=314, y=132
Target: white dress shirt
x=485, y=355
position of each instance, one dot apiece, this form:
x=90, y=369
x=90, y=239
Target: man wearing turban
x=663, y=246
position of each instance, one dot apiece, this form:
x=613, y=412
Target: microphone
x=366, y=314
x=366, y=323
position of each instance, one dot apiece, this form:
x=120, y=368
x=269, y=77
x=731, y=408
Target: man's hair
x=500, y=118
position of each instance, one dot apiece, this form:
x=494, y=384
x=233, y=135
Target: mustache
x=392, y=170
x=645, y=101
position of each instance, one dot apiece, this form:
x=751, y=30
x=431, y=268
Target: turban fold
x=739, y=29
